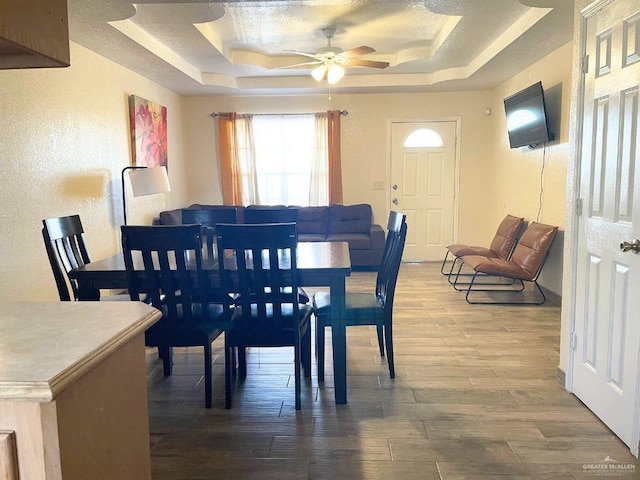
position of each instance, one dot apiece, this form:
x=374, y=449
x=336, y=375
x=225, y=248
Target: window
x=290, y=159
x=284, y=160
x=424, y=137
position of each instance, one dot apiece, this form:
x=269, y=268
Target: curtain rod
x=218, y=114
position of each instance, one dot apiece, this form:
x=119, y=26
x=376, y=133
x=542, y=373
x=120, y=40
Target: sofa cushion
x=339, y=223
x=171, y=217
x=356, y=241
x=313, y=220
x=239, y=209
x=350, y=218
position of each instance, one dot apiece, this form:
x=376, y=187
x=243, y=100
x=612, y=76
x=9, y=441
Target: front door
x=422, y=185
x=607, y=308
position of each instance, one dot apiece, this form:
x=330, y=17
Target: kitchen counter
x=73, y=393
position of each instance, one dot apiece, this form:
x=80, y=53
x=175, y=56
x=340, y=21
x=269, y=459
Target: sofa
x=335, y=223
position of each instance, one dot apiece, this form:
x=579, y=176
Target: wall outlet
x=378, y=185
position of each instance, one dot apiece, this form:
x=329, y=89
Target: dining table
x=320, y=264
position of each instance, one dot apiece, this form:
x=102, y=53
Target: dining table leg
x=339, y=339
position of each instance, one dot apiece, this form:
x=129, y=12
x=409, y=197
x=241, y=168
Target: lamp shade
x=147, y=181
x=336, y=72
x=318, y=73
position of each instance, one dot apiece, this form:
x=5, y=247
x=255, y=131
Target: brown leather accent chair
x=525, y=264
x=501, y=246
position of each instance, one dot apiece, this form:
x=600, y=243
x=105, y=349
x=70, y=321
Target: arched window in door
x=423, y=137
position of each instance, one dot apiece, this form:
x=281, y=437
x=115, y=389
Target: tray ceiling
x=239, y=47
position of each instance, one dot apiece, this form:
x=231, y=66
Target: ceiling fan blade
x=354, y=52
x=355, y=62
x=294, y=65
x=305, y=54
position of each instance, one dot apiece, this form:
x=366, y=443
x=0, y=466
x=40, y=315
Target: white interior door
x=607, y=322
x=422, y=185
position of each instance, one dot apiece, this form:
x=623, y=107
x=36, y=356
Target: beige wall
x=515, y=174
x=65, y=139
x=365, y=142
x=494, y=179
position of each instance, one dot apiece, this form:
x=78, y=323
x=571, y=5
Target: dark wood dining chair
x=256, y=214
x=374, y=308
x=263, y=270
x=66, y=250
x=171, y=275
x=208, y=218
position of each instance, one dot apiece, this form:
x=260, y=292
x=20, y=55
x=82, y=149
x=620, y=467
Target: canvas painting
x=148, y=121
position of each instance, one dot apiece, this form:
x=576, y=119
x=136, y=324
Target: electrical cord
x=544, y=159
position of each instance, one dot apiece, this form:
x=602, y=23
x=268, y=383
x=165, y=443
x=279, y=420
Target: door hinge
x=573, y=340
x=578, y=206
x=585, y=64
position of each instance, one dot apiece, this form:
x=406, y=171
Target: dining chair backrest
x=171, y=273
x=66, y=249
x=165, y=264
x=208, y=218
x=262, y=270
x=270, y=215
x=391, y=259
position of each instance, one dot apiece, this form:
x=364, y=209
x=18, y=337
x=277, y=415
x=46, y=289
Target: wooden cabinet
x=73, y=392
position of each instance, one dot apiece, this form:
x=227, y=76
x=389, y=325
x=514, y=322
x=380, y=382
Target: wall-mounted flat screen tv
x=527, y=117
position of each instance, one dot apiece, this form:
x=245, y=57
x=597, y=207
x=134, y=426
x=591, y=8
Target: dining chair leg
x=297, y=362
x=208, y=375
x=242, y=361
x=166, y=353
x=228, y=366
x=320, y=325
x=388, y=338
x=306, y=353
x=234, y=362
x=380, y=332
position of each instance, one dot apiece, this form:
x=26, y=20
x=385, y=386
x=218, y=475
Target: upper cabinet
x=34, y=34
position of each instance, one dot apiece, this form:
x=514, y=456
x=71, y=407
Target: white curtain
x=283, y=159
x=247, y=160
x=319, y=178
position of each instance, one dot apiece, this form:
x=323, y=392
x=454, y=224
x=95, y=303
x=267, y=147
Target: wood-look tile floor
x=475, y=397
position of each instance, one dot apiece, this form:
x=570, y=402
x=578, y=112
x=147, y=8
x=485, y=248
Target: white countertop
x=46, y=346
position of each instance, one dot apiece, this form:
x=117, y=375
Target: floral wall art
x=148, y=121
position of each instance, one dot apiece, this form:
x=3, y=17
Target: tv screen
x=527, y=117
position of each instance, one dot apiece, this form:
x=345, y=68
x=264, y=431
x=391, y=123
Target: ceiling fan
x=332, y=60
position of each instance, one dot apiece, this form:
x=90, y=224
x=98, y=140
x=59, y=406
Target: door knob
x=633, y=246
x=395, y=187
x=394, y=201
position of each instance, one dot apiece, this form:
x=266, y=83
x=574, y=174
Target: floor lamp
x=144, y=181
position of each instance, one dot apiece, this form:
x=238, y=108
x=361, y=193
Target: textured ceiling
x=238, y=47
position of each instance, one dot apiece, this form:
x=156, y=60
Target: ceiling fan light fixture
x=335, y=73
x=318, y=73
